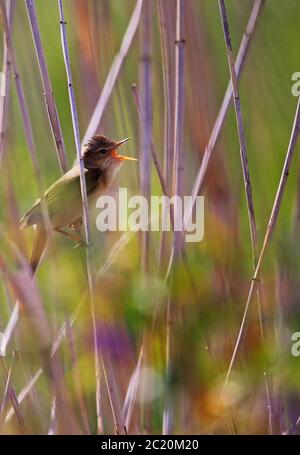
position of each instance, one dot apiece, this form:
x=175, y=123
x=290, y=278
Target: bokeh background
x=163, y=346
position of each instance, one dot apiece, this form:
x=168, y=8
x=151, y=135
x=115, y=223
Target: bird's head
x=101, y=153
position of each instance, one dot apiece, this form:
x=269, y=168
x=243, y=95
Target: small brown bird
x=63, y=198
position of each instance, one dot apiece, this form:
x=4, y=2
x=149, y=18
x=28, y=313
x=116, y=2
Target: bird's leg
x=76, y=225
x=68, y=234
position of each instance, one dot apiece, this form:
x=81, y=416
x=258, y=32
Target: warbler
x=63, y=199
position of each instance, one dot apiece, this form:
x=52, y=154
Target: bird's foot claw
x=82, y=244
x=76, y=225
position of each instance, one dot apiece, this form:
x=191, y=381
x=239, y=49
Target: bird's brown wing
x=34, y=214
x=59, y=196
x=64, y=193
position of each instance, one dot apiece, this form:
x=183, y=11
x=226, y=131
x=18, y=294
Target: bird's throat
x=103, y=177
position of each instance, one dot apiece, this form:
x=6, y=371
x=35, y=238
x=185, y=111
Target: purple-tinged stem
x=114, y=72
x=107, y=372
x=154, y=151
x=146, y=126
x=269, y=231
x=168, y=123
x=48, y=93
x=239, y=65
x=240, y=127
x=178, y=165
x=25, y=116
x=247, y=180
x=167, y=77
x=4, y=95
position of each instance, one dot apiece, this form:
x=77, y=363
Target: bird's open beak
x=123, y=142
x=129, y=158
x=122, y=157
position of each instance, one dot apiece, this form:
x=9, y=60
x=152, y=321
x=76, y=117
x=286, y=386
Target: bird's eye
x=102, y=151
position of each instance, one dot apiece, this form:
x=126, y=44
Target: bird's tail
x=38, y=248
